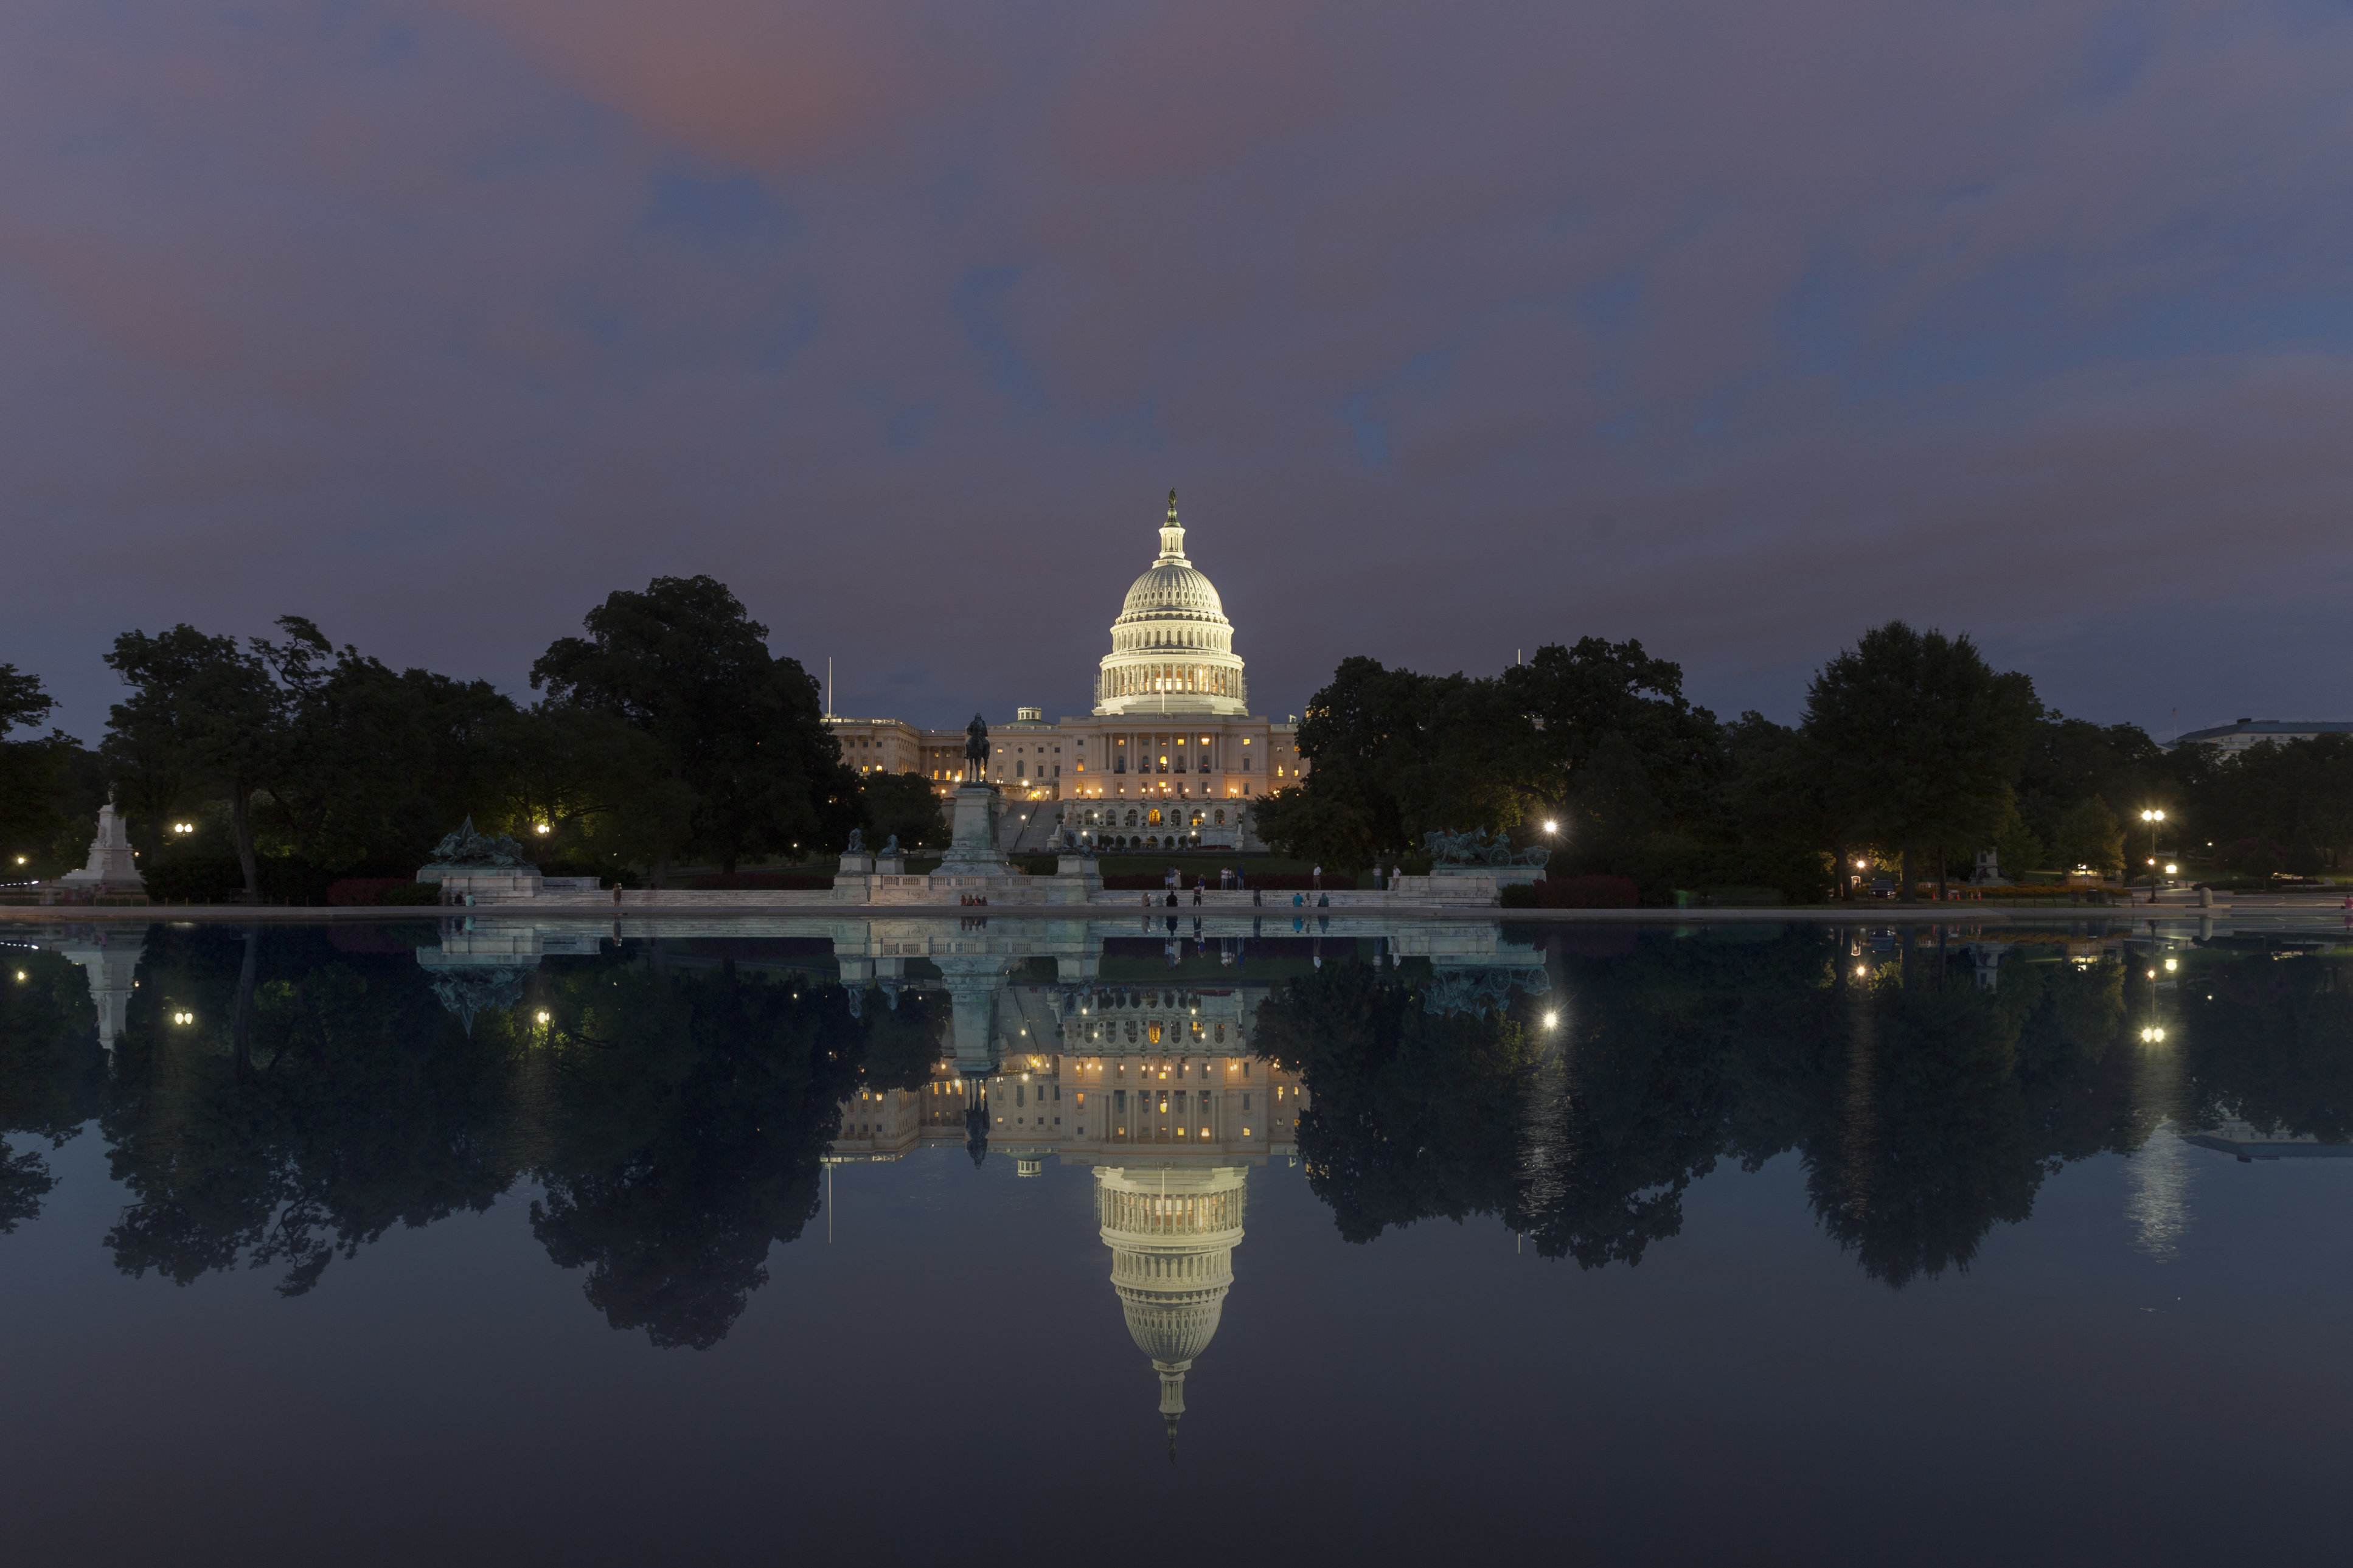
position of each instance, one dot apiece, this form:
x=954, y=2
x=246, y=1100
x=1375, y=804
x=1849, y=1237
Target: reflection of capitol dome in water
x=1172, y=1234
x=1172, y=648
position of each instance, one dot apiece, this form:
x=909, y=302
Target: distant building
x=1171, y=753
x=2249, y=732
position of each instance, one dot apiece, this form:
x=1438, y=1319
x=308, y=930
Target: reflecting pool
x=1147, y=1238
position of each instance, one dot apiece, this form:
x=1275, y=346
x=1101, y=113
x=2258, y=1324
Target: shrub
x=219, y=879
x=2250, y=857
x=193, y=879
x=1801, y=875
x=411, y=892
x=1587, y=892
x=350, y=891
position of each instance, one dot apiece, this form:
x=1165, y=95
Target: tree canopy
x=1919, y=740
x=738, y=728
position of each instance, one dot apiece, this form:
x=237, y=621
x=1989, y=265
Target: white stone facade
x=1171, y=750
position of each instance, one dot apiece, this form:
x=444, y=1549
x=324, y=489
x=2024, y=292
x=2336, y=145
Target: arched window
x=1131, y=818
x=1220, y=819
x=1154, y=818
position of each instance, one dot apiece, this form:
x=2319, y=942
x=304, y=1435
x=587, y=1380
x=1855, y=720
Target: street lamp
x=2153, y=817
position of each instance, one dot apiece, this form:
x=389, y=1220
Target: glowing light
x=2171, y=964
x=1552, y=826
x=542, y=1017
x=543, y=827
x=1552, y=1020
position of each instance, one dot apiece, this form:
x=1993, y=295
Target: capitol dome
x=1172, y=648
x=1172, y=1234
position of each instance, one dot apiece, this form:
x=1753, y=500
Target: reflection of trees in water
x=687, y=1135
x=677, y=1121
x=677, y=1116
x=50, y=1073
x=1412, y=1113
x=2266, y=1042
x=1926, y=1109
x=355, y=1105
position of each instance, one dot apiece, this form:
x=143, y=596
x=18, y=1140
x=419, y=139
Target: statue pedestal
x=111, y=868
x=890, y=866
x=856, y=865
x=972, y=847
x=1504, y=875
x=1077, y=878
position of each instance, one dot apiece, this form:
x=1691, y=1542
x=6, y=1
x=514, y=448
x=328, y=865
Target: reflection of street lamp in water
x=2158, y=1179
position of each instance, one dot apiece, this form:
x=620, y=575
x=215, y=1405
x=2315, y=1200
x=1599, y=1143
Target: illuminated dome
x=1172, y=1234
x=1172, y=648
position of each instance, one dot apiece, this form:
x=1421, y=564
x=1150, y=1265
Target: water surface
x=1050, y=1241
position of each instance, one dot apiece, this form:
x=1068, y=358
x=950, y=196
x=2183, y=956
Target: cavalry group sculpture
x=1477, y=849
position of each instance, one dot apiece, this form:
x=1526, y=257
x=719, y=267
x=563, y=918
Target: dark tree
x=1392, y=756
x=1601, y=696
x=904, y=805
x=738, y=727
x=377, y=764
x=1920, y=739
x=203, y=713
x=29, y=819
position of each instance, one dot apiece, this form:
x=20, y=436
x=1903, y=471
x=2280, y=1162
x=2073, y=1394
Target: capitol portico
x=1171, y=751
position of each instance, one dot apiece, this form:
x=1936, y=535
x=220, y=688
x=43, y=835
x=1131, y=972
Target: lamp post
x=2152, y=817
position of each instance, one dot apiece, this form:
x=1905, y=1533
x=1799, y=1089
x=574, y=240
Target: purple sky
x=1733, y=325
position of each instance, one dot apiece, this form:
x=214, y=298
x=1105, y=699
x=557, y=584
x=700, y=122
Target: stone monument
x=112, y=869
x=1478, y=854
x=480, y=866
x=973, y=849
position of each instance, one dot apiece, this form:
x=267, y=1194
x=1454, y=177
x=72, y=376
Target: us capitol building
x=1171, y=752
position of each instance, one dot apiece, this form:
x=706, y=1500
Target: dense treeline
x=667, y=732
x=1912, y=755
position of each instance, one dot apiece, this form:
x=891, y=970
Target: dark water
x=1074, y=1242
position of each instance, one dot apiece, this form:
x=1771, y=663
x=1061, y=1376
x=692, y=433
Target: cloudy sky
x=1733, y=325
